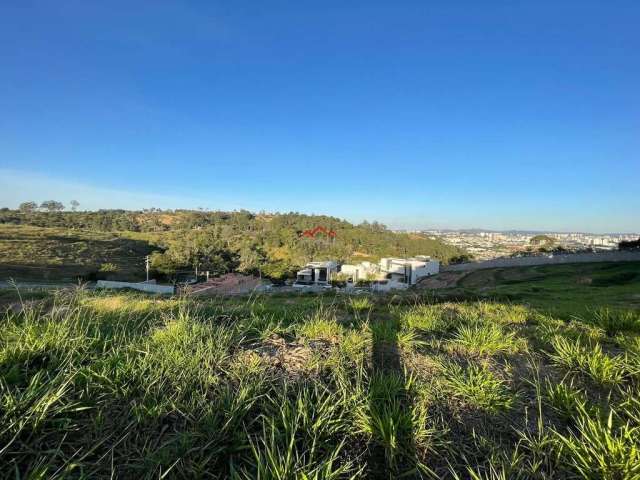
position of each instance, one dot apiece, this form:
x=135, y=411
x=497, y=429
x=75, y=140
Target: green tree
x=252, y=258
x=52, y=206
x=74, y=205
x=279, y=270
x=28, y=207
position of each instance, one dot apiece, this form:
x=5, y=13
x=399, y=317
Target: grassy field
x=59, y=254
x=562, y=290
x=316, y=387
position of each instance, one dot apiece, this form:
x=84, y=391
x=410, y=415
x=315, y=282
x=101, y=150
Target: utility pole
x=146, y=265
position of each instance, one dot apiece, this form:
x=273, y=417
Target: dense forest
x=272, y=245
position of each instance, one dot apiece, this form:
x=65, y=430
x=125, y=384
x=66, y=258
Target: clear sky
x=495, y=114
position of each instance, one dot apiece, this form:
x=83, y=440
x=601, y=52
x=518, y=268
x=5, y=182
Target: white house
x=361, y=271
x=393, y=273
x=316, y=273
x=409, y=270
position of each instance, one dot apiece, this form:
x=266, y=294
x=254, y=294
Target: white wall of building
x=431, y=267
x=395, y=268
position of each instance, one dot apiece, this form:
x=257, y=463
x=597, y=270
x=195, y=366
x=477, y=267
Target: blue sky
x=494, y=114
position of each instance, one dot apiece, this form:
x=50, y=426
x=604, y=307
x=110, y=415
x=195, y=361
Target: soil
x=292, y=357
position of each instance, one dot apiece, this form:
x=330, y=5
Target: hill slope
x=78, y=243
x=53, y=254
x=562, y=289
x=326, y=387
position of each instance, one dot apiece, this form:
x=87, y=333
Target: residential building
x=392, y=273
x=408, y=270
x=316, y=274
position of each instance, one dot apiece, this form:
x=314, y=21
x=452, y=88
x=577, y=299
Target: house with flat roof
x=388, y=274
x=316, y=274
x=392, y=273
x=409, y=270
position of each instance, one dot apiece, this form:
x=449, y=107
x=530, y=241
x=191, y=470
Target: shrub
x=108, y=268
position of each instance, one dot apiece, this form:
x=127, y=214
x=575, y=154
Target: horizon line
x=277, y=212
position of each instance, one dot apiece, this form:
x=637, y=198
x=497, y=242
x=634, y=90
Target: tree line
x=47, y=206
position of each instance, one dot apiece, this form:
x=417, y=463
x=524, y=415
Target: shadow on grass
x=393, y=451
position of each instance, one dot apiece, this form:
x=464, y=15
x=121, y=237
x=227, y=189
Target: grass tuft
x=616, y=321
x=479, y=388
x=590, y=360
x=601, y=449
x=485, y=339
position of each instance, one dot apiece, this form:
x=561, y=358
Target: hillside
x=73, y=244
x=54, y=254
x=565, y=290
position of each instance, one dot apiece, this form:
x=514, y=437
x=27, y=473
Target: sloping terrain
x=58, y=254
x=562, y=289
x=316, y=387
x=71, y=244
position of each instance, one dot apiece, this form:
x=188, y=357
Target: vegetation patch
x=485, y=339
x=103, y=385
x=113, y=244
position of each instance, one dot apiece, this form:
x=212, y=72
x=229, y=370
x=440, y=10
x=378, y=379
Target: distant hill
x=41, y=254
x=273, y=245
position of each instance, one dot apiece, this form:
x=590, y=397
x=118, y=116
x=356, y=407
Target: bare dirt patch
x=293, y=358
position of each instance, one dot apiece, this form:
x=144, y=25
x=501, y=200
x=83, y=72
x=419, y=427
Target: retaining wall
x=554, y=259
x=143, y=286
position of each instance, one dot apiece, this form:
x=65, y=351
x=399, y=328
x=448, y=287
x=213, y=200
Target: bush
x=108, y=268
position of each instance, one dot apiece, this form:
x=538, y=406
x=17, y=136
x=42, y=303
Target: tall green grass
x=615, y=321
x=590, y=360
x=479, y=388
x=129, y=386
x=485, y=339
